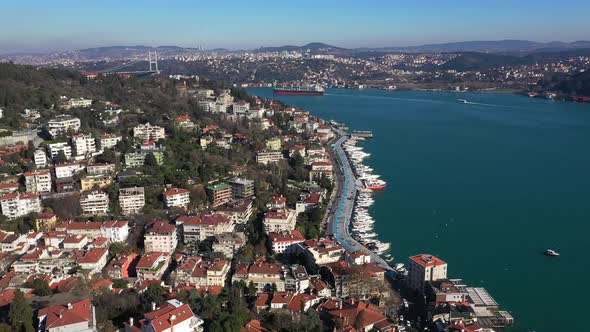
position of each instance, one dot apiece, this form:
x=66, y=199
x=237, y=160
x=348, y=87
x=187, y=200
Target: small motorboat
x=551, y=252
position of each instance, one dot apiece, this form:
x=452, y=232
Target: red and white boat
x=375, y=184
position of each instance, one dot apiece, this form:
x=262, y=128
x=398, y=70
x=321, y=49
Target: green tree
x=40, y=287
x=61, y=157
x=153, y=294
x=21, y=314
x=150, y=160
x=120, y=283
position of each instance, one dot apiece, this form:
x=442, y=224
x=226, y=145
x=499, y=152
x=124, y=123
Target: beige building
x=160, y=236
x=425, y=268
x=90, y=182
x=269, y=157
x=279, y=220
x=38, y=181
x=131, y=200
x=152, y=265
x=148, y=132
x=201, y=273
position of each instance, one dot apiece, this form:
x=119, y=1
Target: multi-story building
x=84, y=145
x=108, y=141
x=67, y=170
x=160, y=236
x=45, y=221
x=321, y=251
x=16, y=205
x=94, y=202
x=279, y=220
x=40, y=158
x=320, y=169
x=61, y=124
x=96, y=169
x=131, y=200
x=242, y=188
x=262, y=274
x=229, y=243
x=92, y=229
x=90, y=182
x=283, y=242
x=274, y=144
x=241, y=107
x=38, y=181
x=146, y=132
x=172, y=316
x=77, y=103
x=94, y=260
x=115, y=230
x=72, y=317
x=137, y=159
x=425, y=268
x=55, y=148
x=10, y=187
x=203, y=226
x=177, y=197
x=239, y=211
x=219, y=194
x=269, y=157
x=152, y=265
x=197, y=272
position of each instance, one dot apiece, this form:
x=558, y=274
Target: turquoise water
x=485, y=186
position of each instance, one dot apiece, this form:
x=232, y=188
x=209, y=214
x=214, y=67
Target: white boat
x=551, y=252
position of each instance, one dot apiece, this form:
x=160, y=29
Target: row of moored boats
x=362, y=222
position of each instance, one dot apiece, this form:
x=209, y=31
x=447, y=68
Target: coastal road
x=340, y=214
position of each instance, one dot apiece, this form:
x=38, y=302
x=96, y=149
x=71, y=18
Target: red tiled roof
x=207, y=219
x=64, y=315
x=427, y=260
x=313, y=199
x=160, y=319
x=94, y=255
x=176, y=191
x=148, y=260
x=19, y=196
x=293, y=236
x=161, y=227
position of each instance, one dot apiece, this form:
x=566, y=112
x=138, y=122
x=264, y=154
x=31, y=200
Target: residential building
x=72, y=317
x=100, y=181
x=197, y=272
x=108, y=141
x=284, y=242
x=38, y=181
x=77, y=103
x=308, y=203
x=279, y=220
x=177, y=197
x=91, y=229
x=93, y=260
x=146, y=132
x=228, y=243
x=160, y=236
x=96, y=169
x=84, y=145
x=425, y=268
x=239, y=211
x=354, y=315
x=152, y=265
x=131, y=200
x=55, y=148
x=320, y=169
x=262, y=274
x=45, y=221
x=241, y=107
x=242, y=188
x=10, y=187
x=40, y=158
x=202, y=226
x=115, y=230
x=274, y=144
x=137, y=159
x=94, y=202
x=172, y=316
x=319, y=252
x=296, y=279
x=269, y=157
x=15, y=205
x=68, y=170
x=219, y=194
x=61, y=124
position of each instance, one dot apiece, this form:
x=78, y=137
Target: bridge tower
x=153, y=60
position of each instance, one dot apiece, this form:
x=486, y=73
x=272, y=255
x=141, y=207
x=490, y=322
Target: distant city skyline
x=36, y=26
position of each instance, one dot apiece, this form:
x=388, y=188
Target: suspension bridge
x=152, y=58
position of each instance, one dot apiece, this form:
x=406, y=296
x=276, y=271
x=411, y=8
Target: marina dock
x=347, y=188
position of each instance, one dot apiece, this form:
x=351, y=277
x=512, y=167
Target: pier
x=340, y=215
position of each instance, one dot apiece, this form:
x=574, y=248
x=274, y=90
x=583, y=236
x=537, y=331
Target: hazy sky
x=44, y=25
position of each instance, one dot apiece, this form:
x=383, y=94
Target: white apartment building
x=67, y=170
x=84, y=144
x=279, y=220
x=178, y=197
x=108, y=141
x=148, y=132
x=241, y=107
x=16, y=205
x=425, y=268
x=40, y=158
x=55, y=148
x=94, y=202
x=115, y=230
x=60, y=125
x=269, y=157
x=131, y=200
x=160, y=236
x=78, y=103
x=97, y=169
x=178, y=317
x=38, y=181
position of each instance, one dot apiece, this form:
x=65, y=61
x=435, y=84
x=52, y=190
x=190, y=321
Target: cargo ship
x=312, y=90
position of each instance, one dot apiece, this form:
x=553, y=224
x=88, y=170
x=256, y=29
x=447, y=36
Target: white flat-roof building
x=131, y=200
x=148, y=132
x=61, y=124
x=84, y=144
x=94, y=202
x=40, y=158
x=108, y=141
x=16, y=205
x=55, y=148
x=38, y=181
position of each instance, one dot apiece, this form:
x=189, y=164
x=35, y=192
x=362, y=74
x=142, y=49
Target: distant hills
x=311, y=47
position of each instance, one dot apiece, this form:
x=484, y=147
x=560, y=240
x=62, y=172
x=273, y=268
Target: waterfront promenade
x=340, y=212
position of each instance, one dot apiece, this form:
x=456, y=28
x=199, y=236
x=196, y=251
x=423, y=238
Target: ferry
x=551, y=252
x=306, y=90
